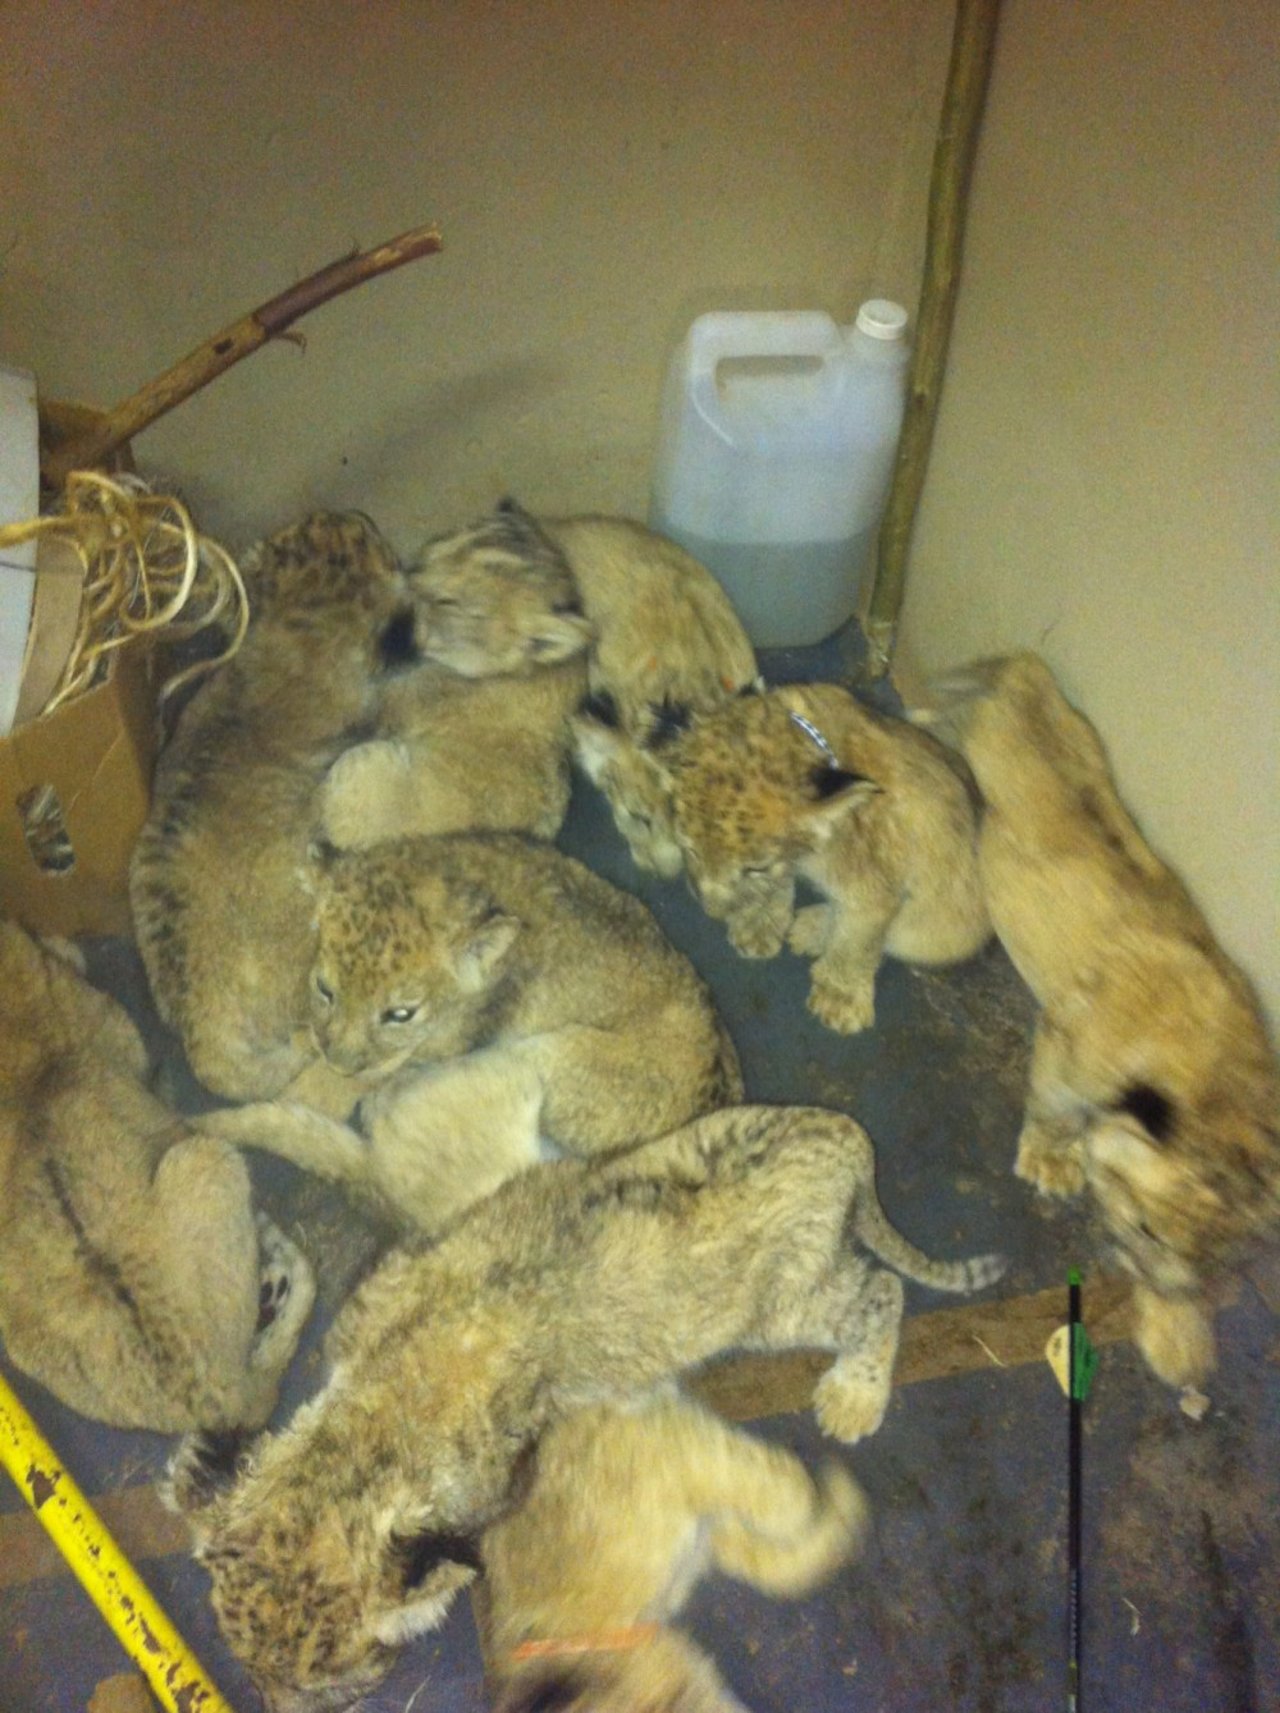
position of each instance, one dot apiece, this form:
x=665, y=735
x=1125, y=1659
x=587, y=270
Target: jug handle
x=717, y=337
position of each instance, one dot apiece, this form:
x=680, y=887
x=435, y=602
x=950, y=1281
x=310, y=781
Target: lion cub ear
x=558, y=636
x=482, y=949
x=835, y=793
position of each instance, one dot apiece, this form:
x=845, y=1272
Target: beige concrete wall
x=1104, y=483
x=602, y=169
x=605, y=170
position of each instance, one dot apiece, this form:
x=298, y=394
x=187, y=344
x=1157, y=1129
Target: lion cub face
x=497, y=597
x=315, y=1597
x=631, y=776
x=751, y=795
x=405, y=961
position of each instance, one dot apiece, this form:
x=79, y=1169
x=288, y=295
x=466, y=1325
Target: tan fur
x=522, y=597
x=1153, y=1083
x=668, y=646
x=627, y=1508
x=219, y=881
x=576, y=1282
x=891, y=845
x=133, y=1278
x=497, y=596
x=542, y=1004
x=457, y=754
x=221, y=915
x=483, y=740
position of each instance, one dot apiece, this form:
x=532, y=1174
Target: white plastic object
x=19, y=500
x=775, y=452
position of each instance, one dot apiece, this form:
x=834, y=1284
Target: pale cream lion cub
x=479, y=735
x=501, y=996
x=626, y=1509
x=576, y=1282
x=805, y=782
x=1153, y=1083
x=135, y=1282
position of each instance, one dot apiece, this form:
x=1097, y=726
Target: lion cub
x=134, y=1281
x=481, y=740
x=627, y=1508
x=1153, y=1084
x=577, y=1282
x=803, y=781
x=222, y=919
x=501, y=995
x=221, y=908
x=450, y=755
x=668, y=646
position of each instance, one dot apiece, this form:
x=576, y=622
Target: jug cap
x=882, y=319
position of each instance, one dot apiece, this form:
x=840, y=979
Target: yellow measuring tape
x=175, y=1674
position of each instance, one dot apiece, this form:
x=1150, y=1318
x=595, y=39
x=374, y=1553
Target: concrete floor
x=960, y=1601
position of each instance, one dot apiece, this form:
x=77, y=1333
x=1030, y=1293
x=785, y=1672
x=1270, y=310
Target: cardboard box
x=88, y=763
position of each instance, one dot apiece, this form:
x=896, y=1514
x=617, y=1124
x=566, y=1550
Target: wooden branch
x=113, y=427
x=972, y=49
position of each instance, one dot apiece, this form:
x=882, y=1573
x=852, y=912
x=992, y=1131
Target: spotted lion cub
x=500, y=995
x=479, y=736
x=804, y=781
x=135, y=1282
x=221, y=917
x=577, y=1282
x=221, y=909
x=1153, y=1084
x=627, y=1508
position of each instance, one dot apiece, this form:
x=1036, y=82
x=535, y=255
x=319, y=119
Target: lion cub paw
x=756, y=936
x=283, y=1272
x=846, y=1409
x=846, y=1010
x=1047, y=1165
x=810, y=930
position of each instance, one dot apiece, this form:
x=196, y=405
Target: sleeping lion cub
x=499, y=994
x=218, y=879
x=481, y=740
x=1153, y=1084
x=804, y=781
x=626, y=1509
x=135, y=1282
x=454, y=751
x=577, y=1282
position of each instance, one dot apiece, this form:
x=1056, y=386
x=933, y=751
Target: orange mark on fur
x=605, y=1642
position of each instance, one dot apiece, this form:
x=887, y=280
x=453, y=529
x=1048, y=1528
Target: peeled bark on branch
x=112, y=428
x=972, y=49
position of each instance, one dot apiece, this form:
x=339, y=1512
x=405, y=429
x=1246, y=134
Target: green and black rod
x=1081, y=1365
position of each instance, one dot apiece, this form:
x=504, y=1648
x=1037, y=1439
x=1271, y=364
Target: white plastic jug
x=775, y=454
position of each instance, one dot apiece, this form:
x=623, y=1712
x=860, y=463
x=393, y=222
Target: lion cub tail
x=871, y=1226
x=791, y=1565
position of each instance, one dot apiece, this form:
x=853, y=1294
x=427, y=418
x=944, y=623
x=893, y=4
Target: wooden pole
x=112, y=428
x=972, y=48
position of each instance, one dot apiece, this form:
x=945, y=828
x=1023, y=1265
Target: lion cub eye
x=399, y=1014
x=323, y=990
